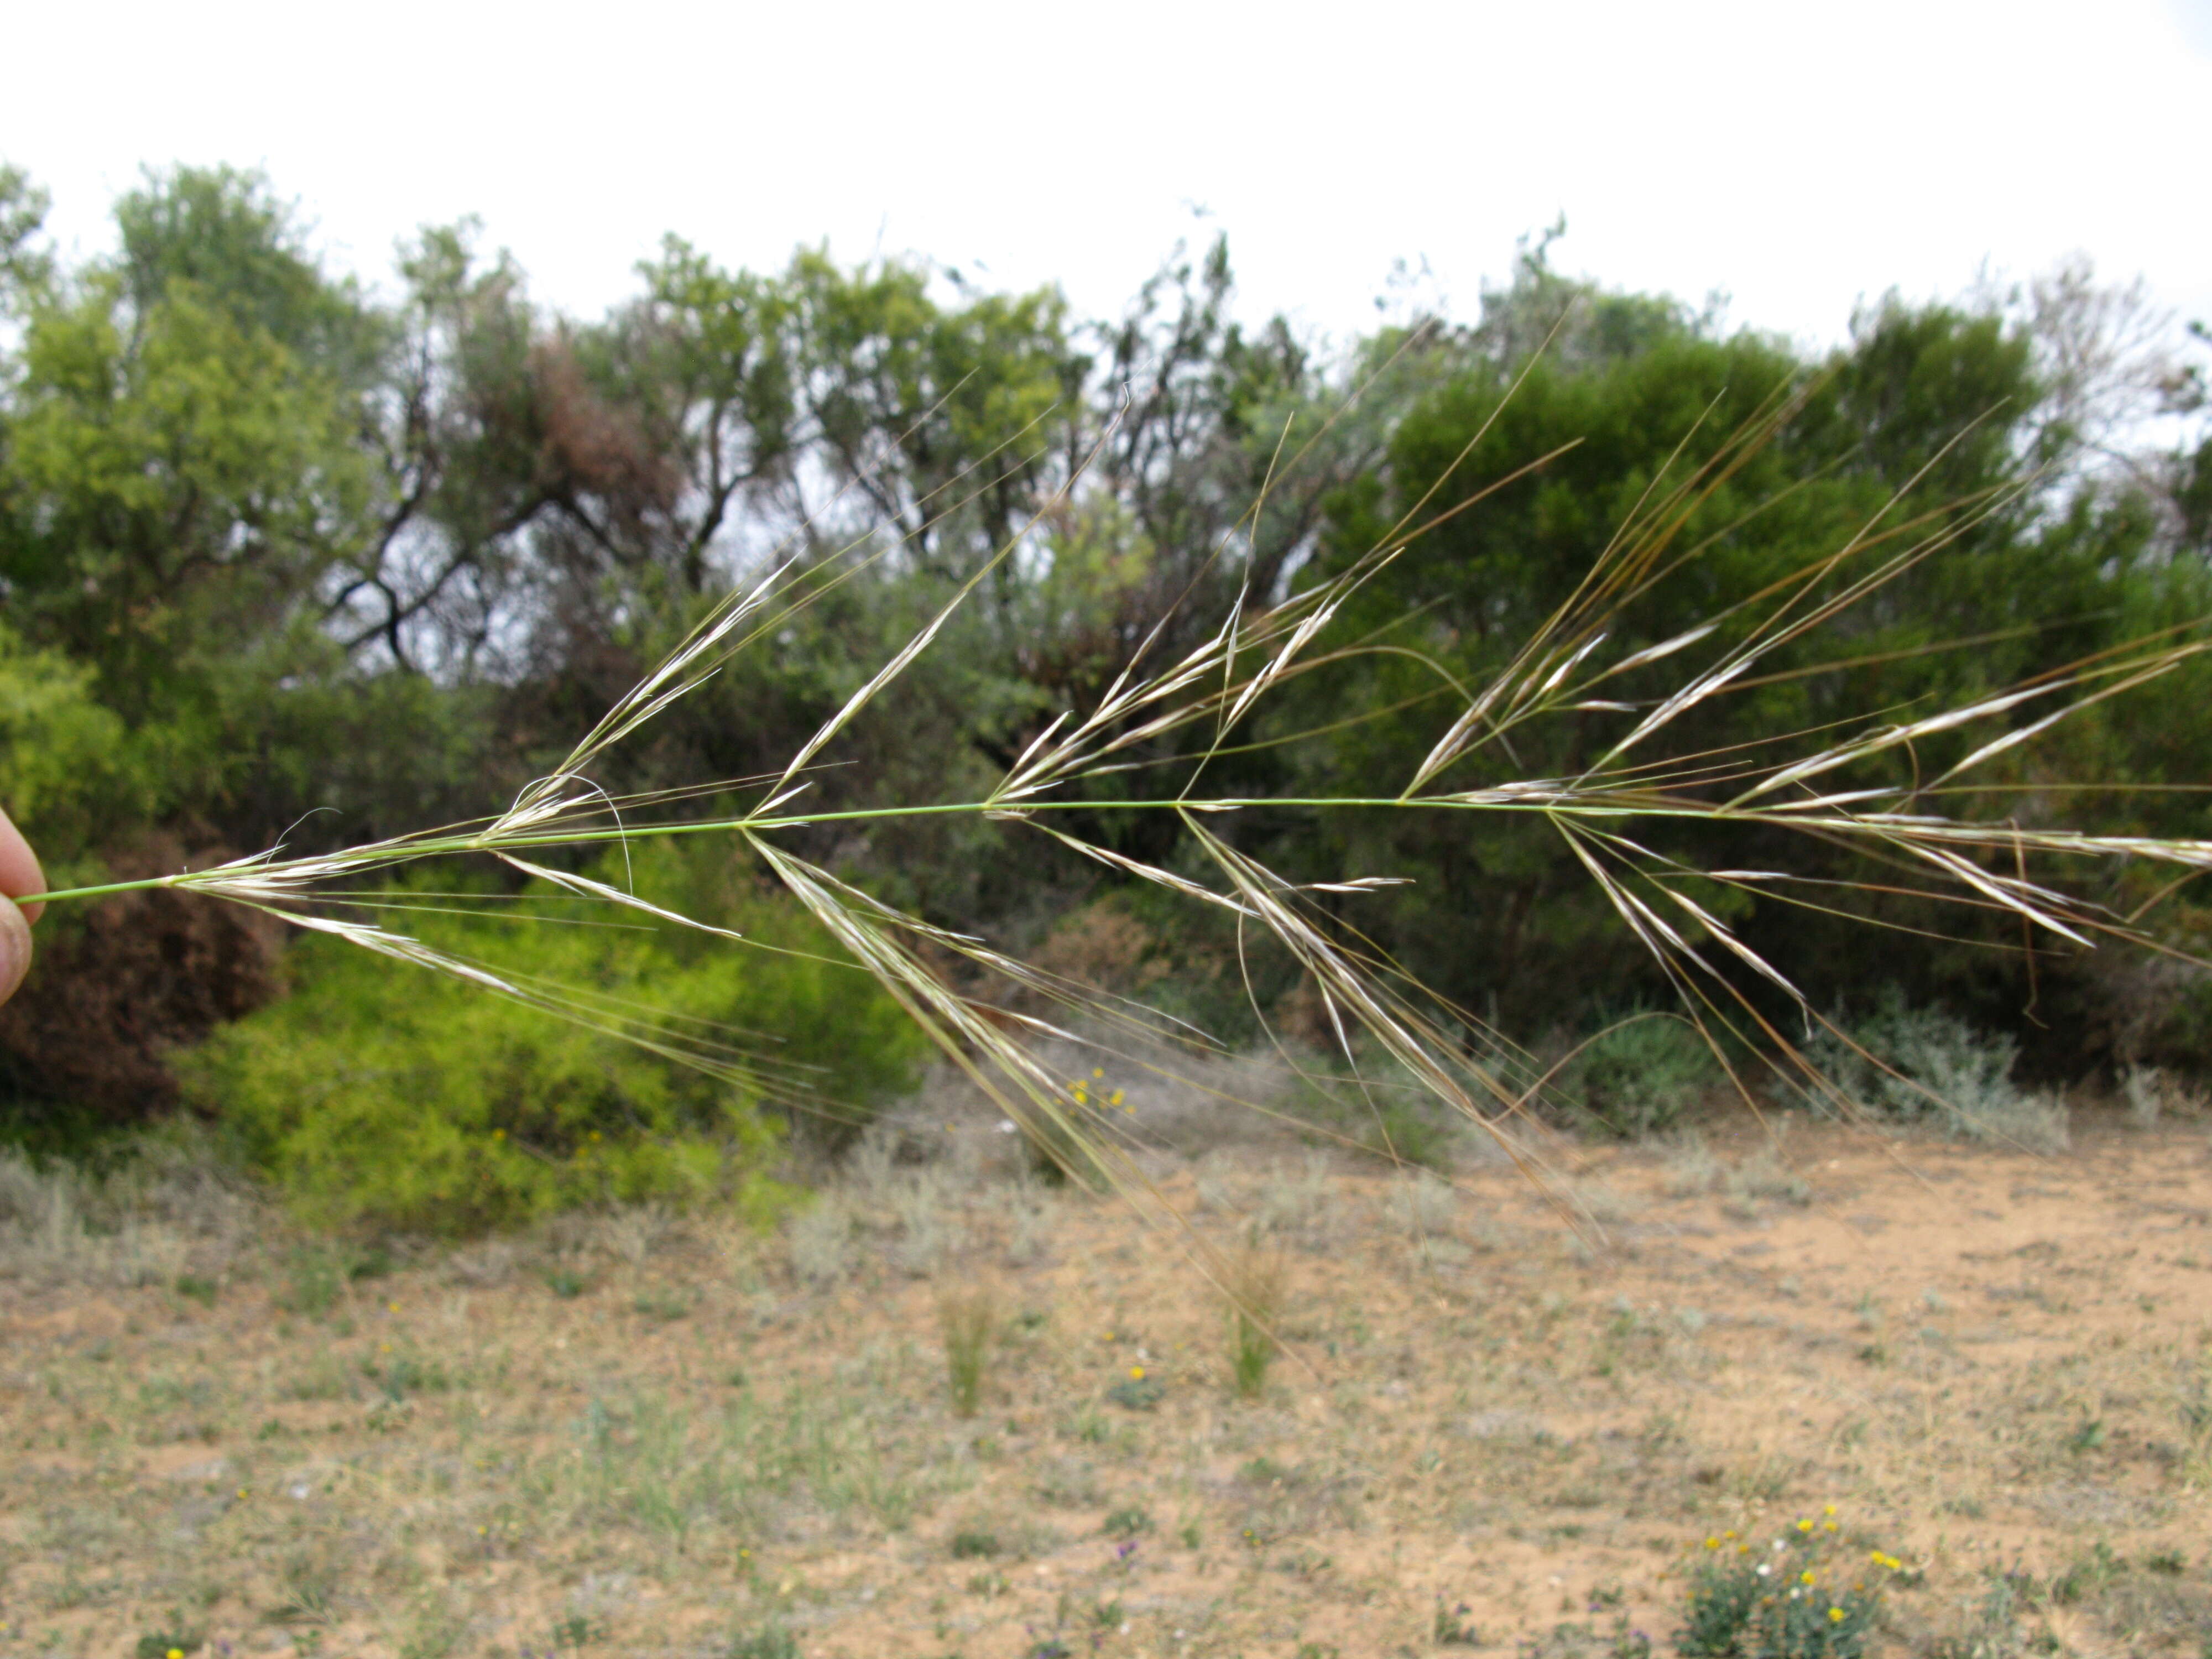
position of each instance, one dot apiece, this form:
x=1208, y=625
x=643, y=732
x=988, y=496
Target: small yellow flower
x=1804, y=1526
x=1098, y=1070
x=176, y=1653
x=1136, y=1373
x=1729, y=1536
x=483, y=1532
x=1743, y=1549
x=1712, y=1543
x=1114, y=1099
x=1827, y=1509
x=1805, y=1578
x=391, y=1307
x=1835, y=1615
x=1827, y=1526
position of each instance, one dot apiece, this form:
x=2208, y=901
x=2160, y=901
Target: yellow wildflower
x=1712, y=1543
x=1805, y=1577
x=1136, y=1373
x=1804, y=1526
x=1835, y=1615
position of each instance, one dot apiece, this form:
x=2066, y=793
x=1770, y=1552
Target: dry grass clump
x=166, y=1213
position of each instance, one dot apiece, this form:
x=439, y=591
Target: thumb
x=15, y=947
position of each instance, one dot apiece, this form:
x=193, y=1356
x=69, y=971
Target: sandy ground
x=1489, y=1428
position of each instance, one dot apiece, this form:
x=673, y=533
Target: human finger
x=19, y=869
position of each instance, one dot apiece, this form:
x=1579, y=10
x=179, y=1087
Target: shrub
x=1940, y=1072
x=1639, y=1076
x=375, y=1095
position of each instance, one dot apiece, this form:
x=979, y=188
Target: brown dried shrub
x=116, y=986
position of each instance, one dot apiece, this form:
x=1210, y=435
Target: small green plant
x=1190, y=1535
x=668, y=1305
x=1127, y=1522
x=1136, y=1392
x=574, y=1632
x=195, y=1287
x=567, y=1283
x=402, y=1375
x=770, y=1642
x=966, y=1322
x=1256, y=1297
x=1802, y=1595
x=973, y=1546
x=314, y=1280
x=2089, y=1575
x=2086, y=1439
x=1451, y=1629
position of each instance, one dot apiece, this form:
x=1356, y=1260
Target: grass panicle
x=1104, y=764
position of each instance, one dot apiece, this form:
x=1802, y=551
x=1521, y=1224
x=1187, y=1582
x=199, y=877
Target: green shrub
x=1639, y=1076
x=379, y=1094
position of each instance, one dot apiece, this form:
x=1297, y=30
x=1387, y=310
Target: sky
x=1800, y=158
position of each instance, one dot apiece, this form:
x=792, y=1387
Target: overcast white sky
x=1797, y=156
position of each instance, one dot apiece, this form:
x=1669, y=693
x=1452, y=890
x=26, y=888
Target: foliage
x=371, y=1095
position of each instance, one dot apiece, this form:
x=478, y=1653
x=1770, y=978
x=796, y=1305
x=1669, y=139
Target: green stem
x=442, y=845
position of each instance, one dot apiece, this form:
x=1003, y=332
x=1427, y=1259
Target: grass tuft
x=967, y=1321
x=1255, y=1284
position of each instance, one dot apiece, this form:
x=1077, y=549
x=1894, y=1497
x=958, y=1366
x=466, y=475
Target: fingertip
x=18, y=871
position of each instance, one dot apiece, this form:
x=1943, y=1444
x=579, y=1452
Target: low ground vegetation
x=947, y=1408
